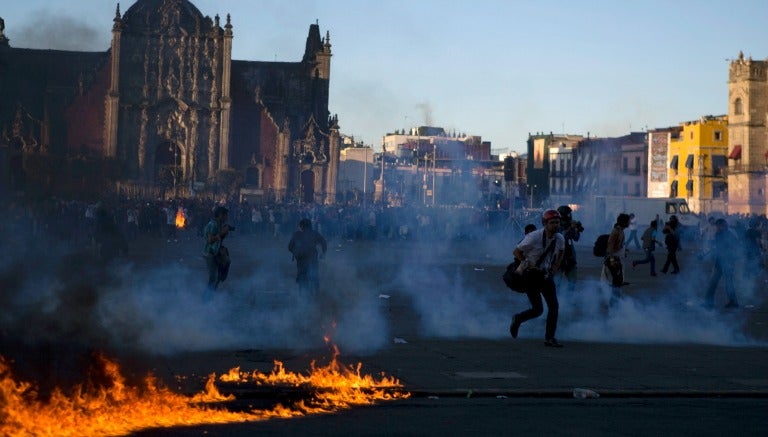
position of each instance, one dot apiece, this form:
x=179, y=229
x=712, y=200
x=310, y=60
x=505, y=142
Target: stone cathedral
x=168, y=95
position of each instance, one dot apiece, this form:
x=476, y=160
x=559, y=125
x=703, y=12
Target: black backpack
x=601, y=246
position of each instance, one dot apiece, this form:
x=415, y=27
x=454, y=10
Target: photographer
x=215, y=253
x=540, y=253
x=571, y=231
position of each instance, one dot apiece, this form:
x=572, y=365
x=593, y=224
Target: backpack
x=601, y=245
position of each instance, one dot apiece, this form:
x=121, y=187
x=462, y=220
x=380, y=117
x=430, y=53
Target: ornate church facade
x=168, y=102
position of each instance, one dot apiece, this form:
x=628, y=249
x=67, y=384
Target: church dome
x=165, y=16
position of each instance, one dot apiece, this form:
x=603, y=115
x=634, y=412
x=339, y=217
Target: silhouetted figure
x=722, y=256
x=303, y=245
x=672, y=241
x=215, y=254
x=613, y=270
x=571, y=231
x=649, y=245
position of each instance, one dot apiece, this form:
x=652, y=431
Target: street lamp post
x=365, y=177
x=434, y=171
x=531, y=196
x=174, y=169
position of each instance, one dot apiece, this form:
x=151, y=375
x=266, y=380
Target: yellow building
x=698, y=163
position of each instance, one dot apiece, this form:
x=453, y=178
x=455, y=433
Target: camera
x=231, y=228
x=578, y=226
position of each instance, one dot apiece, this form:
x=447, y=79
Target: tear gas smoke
x=54, y=294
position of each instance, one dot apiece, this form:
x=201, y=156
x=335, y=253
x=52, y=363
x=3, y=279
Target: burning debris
x=181, y=219
x=113, y=407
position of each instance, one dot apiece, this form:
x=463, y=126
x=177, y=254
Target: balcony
x=745, y=168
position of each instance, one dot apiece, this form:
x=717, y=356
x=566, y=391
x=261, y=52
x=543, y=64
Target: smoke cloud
x=371, y=294
x=48, y=30
x=426, y=112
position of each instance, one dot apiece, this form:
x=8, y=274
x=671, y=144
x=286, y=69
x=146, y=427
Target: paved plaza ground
x=436, y=316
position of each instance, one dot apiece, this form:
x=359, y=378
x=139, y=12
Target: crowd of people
x=724, y=246
x=722, y=251
x=97, y=222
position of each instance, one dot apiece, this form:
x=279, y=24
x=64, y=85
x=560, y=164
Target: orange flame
x=119, y=409
x=180, y=219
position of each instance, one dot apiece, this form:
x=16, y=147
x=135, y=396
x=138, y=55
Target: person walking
x=649, y=245
x=170, y=222
x=672, y=241
x=722, y=256
x=540, y=253
x=215, y=254
x=632, y=232
x=303, y=246
x=613, y=270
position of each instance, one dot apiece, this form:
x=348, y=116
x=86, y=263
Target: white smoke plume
x=370, y=294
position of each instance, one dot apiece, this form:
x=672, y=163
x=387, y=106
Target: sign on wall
x=538, y=153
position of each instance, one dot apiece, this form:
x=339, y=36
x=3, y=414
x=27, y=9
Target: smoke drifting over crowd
x=371, y=293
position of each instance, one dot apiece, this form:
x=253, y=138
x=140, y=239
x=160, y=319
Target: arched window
x=737, y=106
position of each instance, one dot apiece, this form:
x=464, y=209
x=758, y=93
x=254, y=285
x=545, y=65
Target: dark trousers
x=548, y=290
x=720, y=271
x=213, y=272
x=649, y=258
x=671, y=261
x=307, y=274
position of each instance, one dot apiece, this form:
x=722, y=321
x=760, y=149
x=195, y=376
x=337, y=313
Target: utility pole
x=434, y=171
x=531, y=197
x=365, y=177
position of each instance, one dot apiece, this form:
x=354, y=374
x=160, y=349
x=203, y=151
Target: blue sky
x=498, y=69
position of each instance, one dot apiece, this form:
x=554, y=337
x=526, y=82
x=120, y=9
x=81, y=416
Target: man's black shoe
x=731, y=304
x=552, y=343
x=514, y=327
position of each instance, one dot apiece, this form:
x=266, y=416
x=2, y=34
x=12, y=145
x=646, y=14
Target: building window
x=673, y=189
x=624, y=189
x=689, y=187
x=691, y=134
x=637, y=164
x=637, y=188
x=673, y=164
x=718, y=135
x=624, y=164
x=737, y=107
x=689, y=165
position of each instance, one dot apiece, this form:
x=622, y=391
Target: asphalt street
x=495, y=385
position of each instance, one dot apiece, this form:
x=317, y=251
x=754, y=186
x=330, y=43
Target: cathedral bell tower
x=747, y=136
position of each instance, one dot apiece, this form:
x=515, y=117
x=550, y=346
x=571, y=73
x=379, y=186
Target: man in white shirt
x=540, y=253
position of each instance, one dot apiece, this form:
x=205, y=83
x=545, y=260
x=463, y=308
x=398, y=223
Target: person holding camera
x=571, y=231
x=540, y=253
x=215, y=253
x=303, y=246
